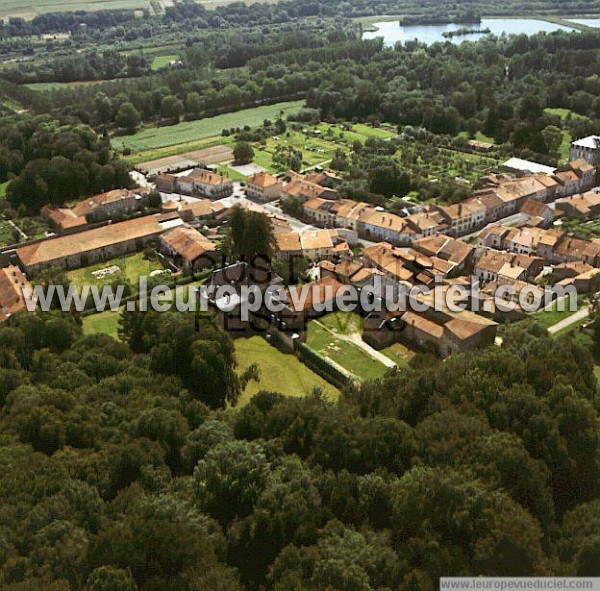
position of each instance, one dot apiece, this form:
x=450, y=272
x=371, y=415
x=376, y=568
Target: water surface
x=392, y=32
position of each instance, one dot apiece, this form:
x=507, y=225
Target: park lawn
x=346, y=354
x=132, y=268
x=103, y=323
x=150, y=138
x=162, y=61
x=548, y=318
x=278, y=372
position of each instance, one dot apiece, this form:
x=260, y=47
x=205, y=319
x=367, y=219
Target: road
x=573, y=319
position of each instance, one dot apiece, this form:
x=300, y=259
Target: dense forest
x=125, y=468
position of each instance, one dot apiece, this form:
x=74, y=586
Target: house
x=300, y=189
x=189, y=249
x=587, y=148
x=446, y=248
x=537, y=213
x=206, y=184
x=427, y=223
x=443, y=331
x=314, y=245
x=383, y=226
x=14, y=288
x=112, y=204
x=584, y=206
x=569, y=182
x=586, y=173
x=263, y=187
x=73, y=251
x=496, y=265
x=318, y=211
x=463, y=218
x=200, y=210
x=62, y=219
x=167, y=183
x=390, y=260
x=348, y=213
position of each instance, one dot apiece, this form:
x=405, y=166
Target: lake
x=392, y=32
x=588, y=22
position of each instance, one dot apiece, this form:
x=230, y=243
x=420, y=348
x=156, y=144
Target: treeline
x=123, y=471
x=51, y=162
x=188, y=15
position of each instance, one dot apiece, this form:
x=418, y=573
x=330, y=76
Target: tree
x=552, y=137
x=251, y=234
x=243, y=153
x=128, y=117
x=171, y=108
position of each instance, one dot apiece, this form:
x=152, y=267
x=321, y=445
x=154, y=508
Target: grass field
x=132, y=268
x=565, y=146
x=547, y=318
x=152, y=138
x=278, y=372
x=399, y=354
x=322, y=338
x=103, y=323
x=161, y=61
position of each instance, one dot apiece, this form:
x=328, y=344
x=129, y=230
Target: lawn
x=161, y=61
x=132, y=268
x=548, y=318
x=151, y=138
x=102, y=323
x=322, y=338
x=278, y=372
x=3, y=187
x=565, y=146
x=399, y=354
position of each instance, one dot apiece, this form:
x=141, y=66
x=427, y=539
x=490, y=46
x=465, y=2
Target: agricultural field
x=278, y=372
x=28, y=9
x=132, y=267
x=212, y=155
x=151, y=138
x=331, y=337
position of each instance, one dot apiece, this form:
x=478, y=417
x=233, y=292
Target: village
x=512, y=230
